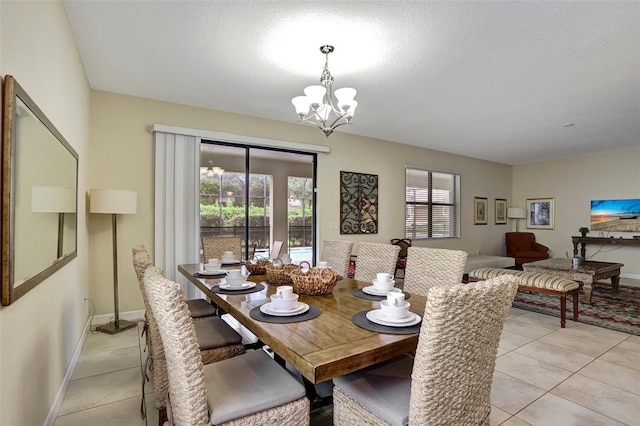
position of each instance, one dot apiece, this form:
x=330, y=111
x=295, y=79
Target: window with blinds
x=432, y=204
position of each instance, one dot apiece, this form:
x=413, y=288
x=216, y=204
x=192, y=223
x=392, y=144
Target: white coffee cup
x=234, y=273
x=383, y=277
x=284, y=292
x=286, y=259
x=236, y=281
x=395, y=298
x=212, y=265
x=227, y=256
x=323, y=265
x=391, y=311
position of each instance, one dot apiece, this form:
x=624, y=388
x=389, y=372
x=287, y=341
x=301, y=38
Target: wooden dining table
x=321, y=348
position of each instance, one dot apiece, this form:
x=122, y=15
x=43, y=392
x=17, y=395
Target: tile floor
x=545, y=375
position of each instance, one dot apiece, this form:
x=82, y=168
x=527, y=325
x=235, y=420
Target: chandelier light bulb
x=328, y=109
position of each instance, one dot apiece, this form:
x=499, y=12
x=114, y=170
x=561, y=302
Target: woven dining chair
x=251, y=389
x=374, y=258
x=449, y=381
x=429, y=267
x=216, y=339
x=214, y=247
x=337, y=254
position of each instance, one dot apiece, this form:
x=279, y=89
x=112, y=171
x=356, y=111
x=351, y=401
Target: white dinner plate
x=218, y=272
x=378, y=314
x=244, y=286
x=301, y=308
x=375, y=292
x=376, y=318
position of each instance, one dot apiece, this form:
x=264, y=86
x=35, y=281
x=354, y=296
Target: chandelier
x=327, y=111
x=212, y=170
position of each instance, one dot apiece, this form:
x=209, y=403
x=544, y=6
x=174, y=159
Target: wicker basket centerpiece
x=279, y=273
x=257, y=266
x=314, y=281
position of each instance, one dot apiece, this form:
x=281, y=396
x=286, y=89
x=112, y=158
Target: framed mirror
x=39, y=195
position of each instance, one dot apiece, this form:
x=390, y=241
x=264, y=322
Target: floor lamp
x=517, y=213
x=54, y=199
x=114, y=202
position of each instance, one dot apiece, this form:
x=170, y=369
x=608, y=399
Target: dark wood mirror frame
x=42, y=253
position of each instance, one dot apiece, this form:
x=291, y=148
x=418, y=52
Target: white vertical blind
x=177, y=216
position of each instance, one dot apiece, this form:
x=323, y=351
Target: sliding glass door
x=261, y=195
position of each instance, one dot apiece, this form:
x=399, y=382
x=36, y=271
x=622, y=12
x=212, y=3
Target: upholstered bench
x=532, y=281
x=475, y=261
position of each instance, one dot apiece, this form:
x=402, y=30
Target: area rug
x=615, y=310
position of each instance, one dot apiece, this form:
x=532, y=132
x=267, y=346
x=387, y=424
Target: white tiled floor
x=545, y=375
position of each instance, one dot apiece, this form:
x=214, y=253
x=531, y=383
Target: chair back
x=214, y=247
x=141, y=262
x=276, y=248
x=337, y=254
x=520, y=241
x=374, y=258
x=429, y=267
x=456, y=354
x=404, y=244
x=187, y=389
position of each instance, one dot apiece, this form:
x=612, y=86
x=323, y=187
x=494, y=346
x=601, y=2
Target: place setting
x=236, y=282
x=211, y=269
x=383, y=284
x=393, y=317
x=284, y=308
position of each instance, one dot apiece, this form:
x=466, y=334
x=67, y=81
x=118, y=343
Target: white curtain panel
x=177, y=215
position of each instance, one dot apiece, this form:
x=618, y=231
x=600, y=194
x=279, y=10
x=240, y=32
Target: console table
x=583, y=241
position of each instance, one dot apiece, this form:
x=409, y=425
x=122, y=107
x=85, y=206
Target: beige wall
x=40, y=331
x=573, y=183
x=121, y=157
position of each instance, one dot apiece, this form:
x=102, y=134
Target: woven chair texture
x=337, y=254
x=214, y=247
x=374, y=258
x=187, y=387
x=429, y=267
x=157, y=361
x=455, y=358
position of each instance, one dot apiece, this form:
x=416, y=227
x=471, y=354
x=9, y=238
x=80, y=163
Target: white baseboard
x=129, y=316
x=632, y=276
x=57, y=402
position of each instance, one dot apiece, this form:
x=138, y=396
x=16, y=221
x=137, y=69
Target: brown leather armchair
x=523, y=247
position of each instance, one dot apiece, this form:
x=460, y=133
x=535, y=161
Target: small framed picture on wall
x=500, y=207
x=540, y=212
x=480, y=206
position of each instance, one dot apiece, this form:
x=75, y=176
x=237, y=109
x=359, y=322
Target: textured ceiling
x=491, y=80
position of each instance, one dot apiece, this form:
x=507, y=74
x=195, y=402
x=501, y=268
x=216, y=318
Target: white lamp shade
x=112, y=201
x=315, y=94
x=53, y=199
x=516, y=213
x=301, y=103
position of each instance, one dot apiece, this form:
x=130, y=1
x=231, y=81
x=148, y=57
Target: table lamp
x=517, y=213
x=113, y=202
x=54, y=199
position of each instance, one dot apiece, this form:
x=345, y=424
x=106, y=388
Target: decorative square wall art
x=540, y=212
x=500, y=207
x=480, y=206
x=358, y=203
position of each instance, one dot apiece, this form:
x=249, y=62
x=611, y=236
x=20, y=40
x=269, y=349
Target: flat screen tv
x=615, y=215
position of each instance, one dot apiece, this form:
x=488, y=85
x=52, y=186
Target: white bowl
x=383, y=286
x=236, y=281
x=279, y=304
x=391, y=311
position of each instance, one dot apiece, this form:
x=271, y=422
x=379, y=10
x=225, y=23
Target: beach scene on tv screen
x=615, y=215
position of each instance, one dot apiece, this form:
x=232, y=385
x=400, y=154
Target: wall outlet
x=333, y=225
